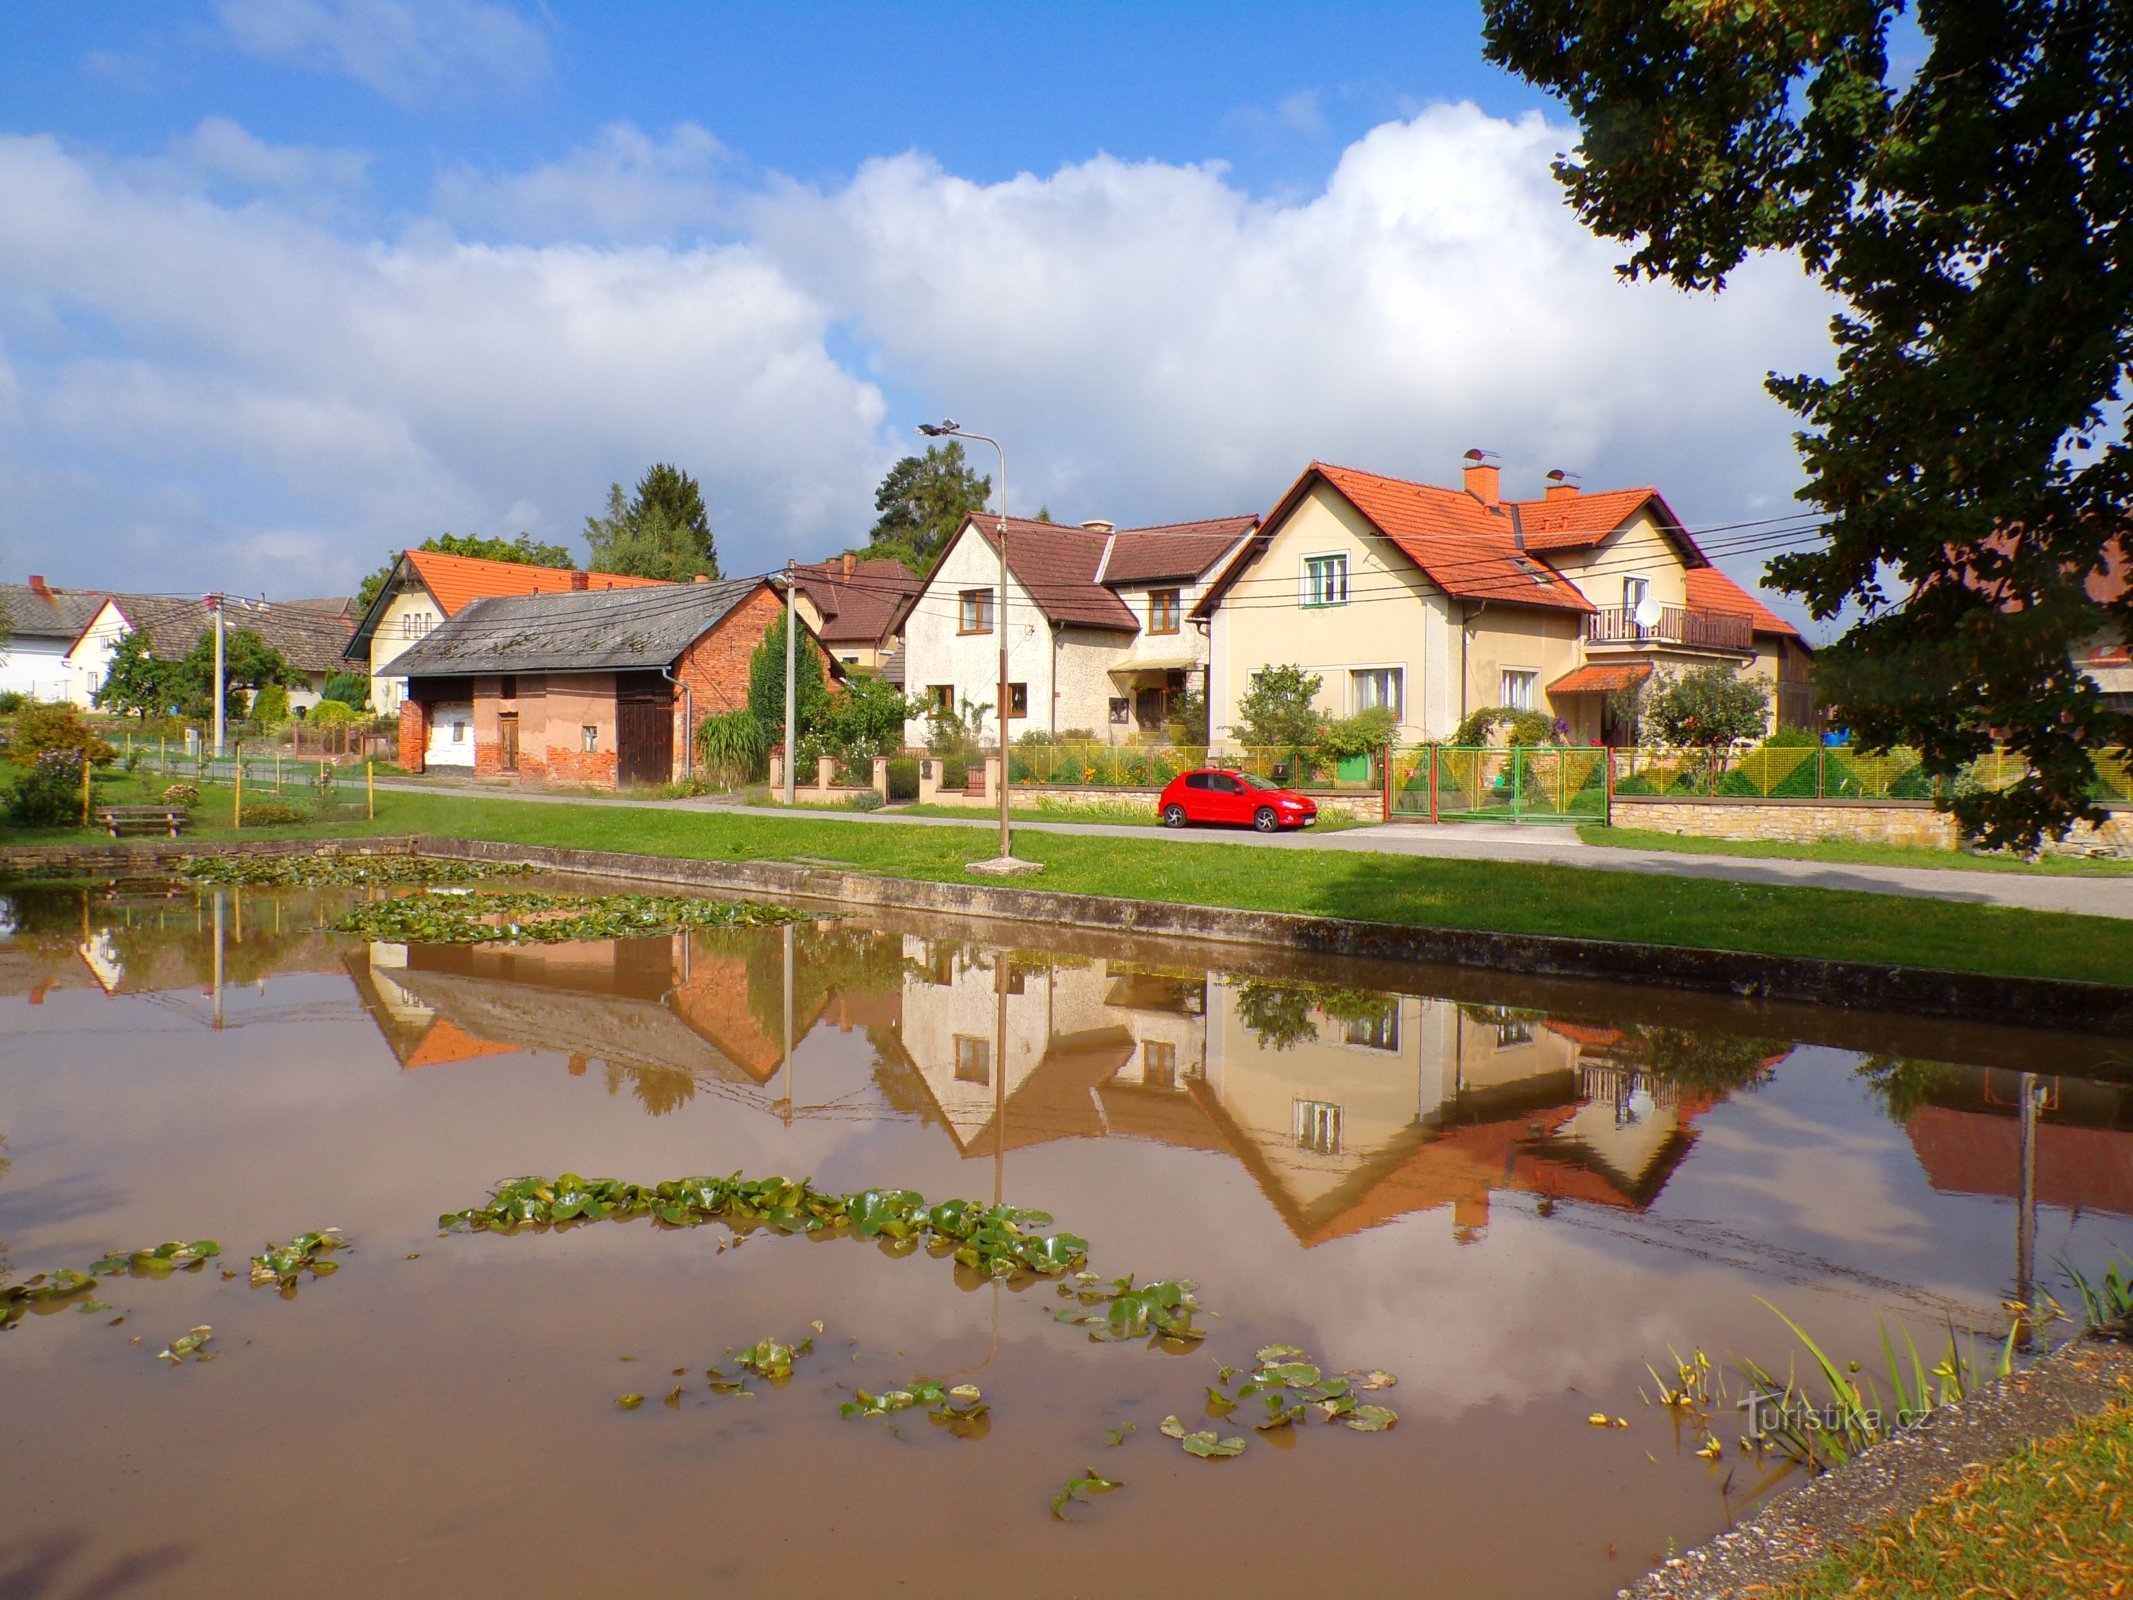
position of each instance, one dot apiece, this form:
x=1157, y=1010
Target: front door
x=507, y=739
x=644, y=728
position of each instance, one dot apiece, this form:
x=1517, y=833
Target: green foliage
x=271, y=814
x=865, y=800
x=1117, y=1311
x=1091, y=1482
x=318, y=871
x=1525, y=729
x=1188, y=718
x=525, y=550
x=248, y=663
x=56, y=726
x=48, y=793
x=1703, y=708
x=285, y=1264
x=956, y=731
x=350, y=689
x=660, y=532
x=1367, y=733
x=271, y=705
x=332, y=714
x=181, y=794
x=922, y=501
x=1962, y=204
x=865, y=719
x=137, y=681
x=766, y=684
x=1279, y=708
x=1279, y=1015
x=2106, y=1303
x=903, y=778
x=959, y=1408
x=535, y=917
x=47, y=1292
x=11, y=700
x=734, y=747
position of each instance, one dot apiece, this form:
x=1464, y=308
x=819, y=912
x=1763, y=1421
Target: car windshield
x=1257, y=782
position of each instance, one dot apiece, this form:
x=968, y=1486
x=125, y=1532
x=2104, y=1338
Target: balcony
x=1678, y=626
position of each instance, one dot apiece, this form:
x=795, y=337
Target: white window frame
x=1398, y=703
x=1316, y=1126
x=1310, y=593
x=1529, y=685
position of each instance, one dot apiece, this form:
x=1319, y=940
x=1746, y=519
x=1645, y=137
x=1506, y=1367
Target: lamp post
x=1004, y=864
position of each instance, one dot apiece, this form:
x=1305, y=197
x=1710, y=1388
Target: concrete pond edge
x=2059, y=1004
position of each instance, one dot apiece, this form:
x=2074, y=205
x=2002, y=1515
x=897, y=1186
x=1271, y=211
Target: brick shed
x=604, y=687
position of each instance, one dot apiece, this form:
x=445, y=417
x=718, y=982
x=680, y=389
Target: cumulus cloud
x=626, y=185
x=221, y=148
x=405, y=50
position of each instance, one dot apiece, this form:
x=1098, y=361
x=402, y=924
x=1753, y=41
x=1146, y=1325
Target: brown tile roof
x=1057, y=563
x=1181, y=550
x=310, y=641
x=860, y=608
x=1712, y=590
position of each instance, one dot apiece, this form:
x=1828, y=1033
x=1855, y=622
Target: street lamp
x=1005, y=864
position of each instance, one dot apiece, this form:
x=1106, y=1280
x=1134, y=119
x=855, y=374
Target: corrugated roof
x=1711, y=590
x=52, y=613
x=595, y=630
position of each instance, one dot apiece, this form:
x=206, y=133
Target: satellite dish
x=1647, y=613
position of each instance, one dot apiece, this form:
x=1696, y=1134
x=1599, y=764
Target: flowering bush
x=182, y=794
x=49, y=792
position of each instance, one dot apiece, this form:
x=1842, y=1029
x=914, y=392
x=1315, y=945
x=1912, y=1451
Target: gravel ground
x=1897, y=1477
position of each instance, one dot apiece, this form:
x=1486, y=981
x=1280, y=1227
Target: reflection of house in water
x=1967, y=1132
x=1348, y=1108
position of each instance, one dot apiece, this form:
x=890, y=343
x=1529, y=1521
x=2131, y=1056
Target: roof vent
x=1562, y=485
x=1098, y=525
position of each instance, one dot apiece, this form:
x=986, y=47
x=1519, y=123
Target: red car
x=1243, y=798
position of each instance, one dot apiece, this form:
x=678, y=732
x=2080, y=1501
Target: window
x=973, y=1059
x=941, y=696
x=1018, y=700
x=591, y=736
x=1163, y=610
x=1373, y=687
x=1517, y=689
x=459, y=733
x=850, y=661
x=1633, y=592
x=1198, y=780
x=1317, y=1126
x=976, y=611
x=1221, y=783
x=1159, y=1065
x=414, y=624
x=1513, y=1033
x=1380, y=1031
x=509, y=691
x=1121, y=710
x=1325, y=581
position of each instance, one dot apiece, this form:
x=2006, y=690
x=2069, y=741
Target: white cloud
x=625, y=185
x=406, y=50
x=221, y=148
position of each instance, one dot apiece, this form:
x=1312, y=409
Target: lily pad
x=1210, y=1448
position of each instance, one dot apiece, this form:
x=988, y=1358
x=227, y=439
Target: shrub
x=271, y=705
x=1792, y=739
x=1522, y=727
x=181, y=794
x=12, y=701
x=1364, y=734
x=734, y=747
x=39, y=728
x=1279, y=708
x=48, y=794
x=350, y=689
x=903, y=778
x=271, y=814
x=955, y=771
x=1035, y=739
x=867, y=800
x=332, y=714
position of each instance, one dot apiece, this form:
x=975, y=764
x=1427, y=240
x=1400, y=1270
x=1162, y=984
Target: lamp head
x=933, y=430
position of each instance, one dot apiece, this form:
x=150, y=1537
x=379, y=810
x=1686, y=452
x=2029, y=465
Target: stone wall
x=1901, y=822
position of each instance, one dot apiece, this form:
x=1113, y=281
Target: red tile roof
x=1711, y=590
x=1580, y=521
x=1604, y=678
x=458, y=581
x=860, y=608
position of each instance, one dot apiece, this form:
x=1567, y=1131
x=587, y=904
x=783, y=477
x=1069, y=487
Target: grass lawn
x=1873, y=855
x=2050, y=1520
x=1200, y=868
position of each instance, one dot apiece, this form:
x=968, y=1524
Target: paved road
x=2097, y=897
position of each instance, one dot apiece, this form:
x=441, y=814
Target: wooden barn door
x=644, y=746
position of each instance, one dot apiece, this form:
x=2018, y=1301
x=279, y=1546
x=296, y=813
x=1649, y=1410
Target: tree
x=1705, y=708
x=660, y=532
x=766, y=685
x=922, y=501
x=1970, y=215
x=248, y=663
x=56, y=726
x=1280, y=708
x=526, y=550
x=865, y=720
x=351, y=689
x=136, y=681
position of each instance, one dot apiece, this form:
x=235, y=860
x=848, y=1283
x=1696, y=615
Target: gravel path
x=1895, y=1478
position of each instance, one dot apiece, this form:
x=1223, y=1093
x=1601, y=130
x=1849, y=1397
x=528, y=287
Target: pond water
x=1512, y=1195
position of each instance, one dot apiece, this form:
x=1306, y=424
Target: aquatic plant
x=769, y=1359
x=1091, y=1482
x=1118, y=1311
x=188, y=1346
x=331, y=870
x=157, y=1260
x=285, y=1264
x=961, y=1409
x=450, y=916
x=53, y=1289
x=2106, y=1304
x=1204, y=1443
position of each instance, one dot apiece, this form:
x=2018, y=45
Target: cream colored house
x=1439, y=602
x=1098, y=632
x=853, y=607
x=308, y=634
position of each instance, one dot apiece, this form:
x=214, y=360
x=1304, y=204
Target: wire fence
x=1103, y=766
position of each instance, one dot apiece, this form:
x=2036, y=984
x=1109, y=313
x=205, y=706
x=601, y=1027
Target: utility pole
x=792, y=646
x=216, y=603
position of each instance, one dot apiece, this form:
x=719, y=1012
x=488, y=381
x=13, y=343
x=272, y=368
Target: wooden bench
x=121, y=820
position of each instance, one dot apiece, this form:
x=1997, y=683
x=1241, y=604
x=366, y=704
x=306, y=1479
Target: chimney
x=37, y=584
x=701, y=577
x=1482, y=475
x=579, y=579
x=1562, y=485
x=1098, y=525
x=851, y=563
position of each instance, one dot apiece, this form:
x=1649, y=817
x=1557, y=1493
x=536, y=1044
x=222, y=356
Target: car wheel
x=1173, y=816
x=1265, y=821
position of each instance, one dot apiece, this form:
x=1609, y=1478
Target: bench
x=119, y=821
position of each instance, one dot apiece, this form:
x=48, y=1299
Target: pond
x=1510, y=1195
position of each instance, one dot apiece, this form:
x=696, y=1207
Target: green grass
x=1873, y=855
x=2049, y=1520
x=1201, y=868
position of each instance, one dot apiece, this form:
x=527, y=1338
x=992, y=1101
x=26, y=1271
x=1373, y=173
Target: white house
x=1098, y=639
x=308, y=634
x=42, y=625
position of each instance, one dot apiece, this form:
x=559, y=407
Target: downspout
x=1056, y=630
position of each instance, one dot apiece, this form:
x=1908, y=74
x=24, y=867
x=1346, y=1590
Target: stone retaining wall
x=126, y=858
x=1903, y=822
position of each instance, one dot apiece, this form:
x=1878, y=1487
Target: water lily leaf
x=1296, y=1374
x=1371, y=1419
x=963, y=1393
x=673, y=1400
x=1598, y=1419
x=1172, y=1428
x=1091, y=1482
x=629, y=1402
x=1209, y=1448
x=1218, y=1403
x=1375, y=1380
x=1279, y=1352
x=1117, y=1435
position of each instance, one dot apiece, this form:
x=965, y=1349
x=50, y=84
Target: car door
x=1227, y=799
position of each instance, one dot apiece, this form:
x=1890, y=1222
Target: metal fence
x=1128, y=766
x=265, y=771
x=1835, y=772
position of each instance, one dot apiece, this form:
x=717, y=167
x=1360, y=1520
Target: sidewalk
x=1539, y=845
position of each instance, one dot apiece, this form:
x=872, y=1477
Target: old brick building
x=602, y=687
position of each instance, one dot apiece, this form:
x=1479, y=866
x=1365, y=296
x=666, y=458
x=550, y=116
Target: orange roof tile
x=1711, y=590
x=1605, y=678
x=458, y=581
x=1579, y=521
x=446, y=1041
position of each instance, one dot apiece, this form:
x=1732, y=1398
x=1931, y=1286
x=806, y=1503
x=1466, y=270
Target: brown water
x=1512, y=1195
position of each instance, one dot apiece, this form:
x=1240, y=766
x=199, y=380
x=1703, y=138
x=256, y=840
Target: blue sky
x=285, y=284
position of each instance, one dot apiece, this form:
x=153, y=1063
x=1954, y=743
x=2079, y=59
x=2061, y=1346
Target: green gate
x=1544, y=783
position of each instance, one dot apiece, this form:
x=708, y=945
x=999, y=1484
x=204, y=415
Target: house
x=424, y=587
x=1438, y=602
x=853, y=605
x=601, y=686
x=308, y=634
x=42, y=623
x=1097, y=632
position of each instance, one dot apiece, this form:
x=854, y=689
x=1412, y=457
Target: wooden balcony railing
x=1678, y=625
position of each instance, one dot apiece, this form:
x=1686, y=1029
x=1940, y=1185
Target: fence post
x=237, y=797
x=370, y=790
x=85, y=789
x=1820, y=750
x=1562, y=760
x=1385, y=786
x=1433, y=749
x=1607, y=813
